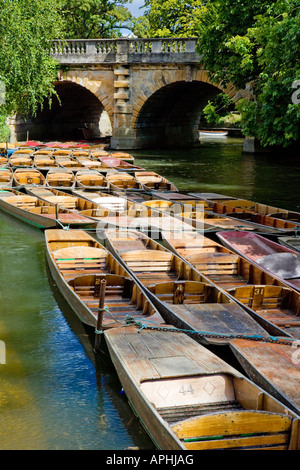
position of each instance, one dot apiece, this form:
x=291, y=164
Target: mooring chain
x=204, y=334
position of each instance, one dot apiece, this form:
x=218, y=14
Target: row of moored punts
x=170, y=284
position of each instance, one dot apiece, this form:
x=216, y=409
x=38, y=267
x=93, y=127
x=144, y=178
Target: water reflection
x=54, y=393
x=223, y=167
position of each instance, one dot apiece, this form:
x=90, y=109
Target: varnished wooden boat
x=107, y=200
x=81, y=153
x=274, y=367
x=258, y=213
x=89, y=179
x=92, y=164
x=28, y=177
x=62, y=152
x=118, y=164
x=78, y=264
x=122, y=181
x=6, y=178
x=195, y=214
x=184, y=297
x=38, y=213
x=151, y=181
x=20, y=161
x=99, y=216
x=276, y=259
x=126, y=157
x=44, y=162
x=69, y=163
x=269, y=300
x=4, y=162
x=23, y=151
x=60, y=178
x=292, y=242
x=225, y=204
x=99, y=153
x=189, y=399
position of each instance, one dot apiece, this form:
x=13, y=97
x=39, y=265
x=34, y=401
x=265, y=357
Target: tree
x=170, y=18
x=26, y=67
x=86, y=19
x=256, y=44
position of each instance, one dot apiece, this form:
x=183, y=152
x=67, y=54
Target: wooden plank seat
x=80, y=258
x=221, y=268
x=24, y=202
x=180, y=292
x=148, y=262
x=68, y=202
x=121, y=297
x=236, y=430
x=25, y=179
x=261, y=297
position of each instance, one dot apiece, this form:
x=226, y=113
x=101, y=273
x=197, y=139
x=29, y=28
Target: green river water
x=54, y=393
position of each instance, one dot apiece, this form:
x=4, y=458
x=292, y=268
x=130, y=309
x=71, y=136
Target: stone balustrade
x=125, y=50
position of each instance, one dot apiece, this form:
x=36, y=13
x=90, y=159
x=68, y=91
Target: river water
x=54, y=393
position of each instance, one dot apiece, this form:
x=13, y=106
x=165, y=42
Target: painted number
x=186, y=389
x=258, y=291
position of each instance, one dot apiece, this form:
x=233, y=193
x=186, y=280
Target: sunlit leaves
x=257, y=43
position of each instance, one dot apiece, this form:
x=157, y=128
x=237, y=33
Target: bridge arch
x=77, y=113
x=168, y=109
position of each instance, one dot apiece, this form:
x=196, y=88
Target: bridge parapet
x=125, y=50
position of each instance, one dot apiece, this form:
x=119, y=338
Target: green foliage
x=85, y=19
x=256, y=44
x=26, y=66
x=170, y=18
x=219, y=112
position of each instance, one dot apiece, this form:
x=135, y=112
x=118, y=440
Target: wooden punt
x=78, y=264
x=269, y=300
x=189, y=399
x=274, y=367
x=43, y=152
x=44, y=162
x=194, y=213
x=20, y=161
x=92, y=164
x=225, y=204
x=292, y=242
x=23, y=151
x=6, y=178
x=99, y=153
x=89, y=179
x=118, y=164
x=4, y=161
x=108, y=201
x=276, y=259
x=85, y=208
x=122, y=181
x=151, y=181
x=62, y=153
x=257, y=213
x=60, y=178
x=184, y=297
x=69, y=163
x=81, y=153
x=38, y=213
x=127, y=157
x=28, y=177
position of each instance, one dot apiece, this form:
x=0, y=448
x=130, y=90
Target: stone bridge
x=151, y=92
